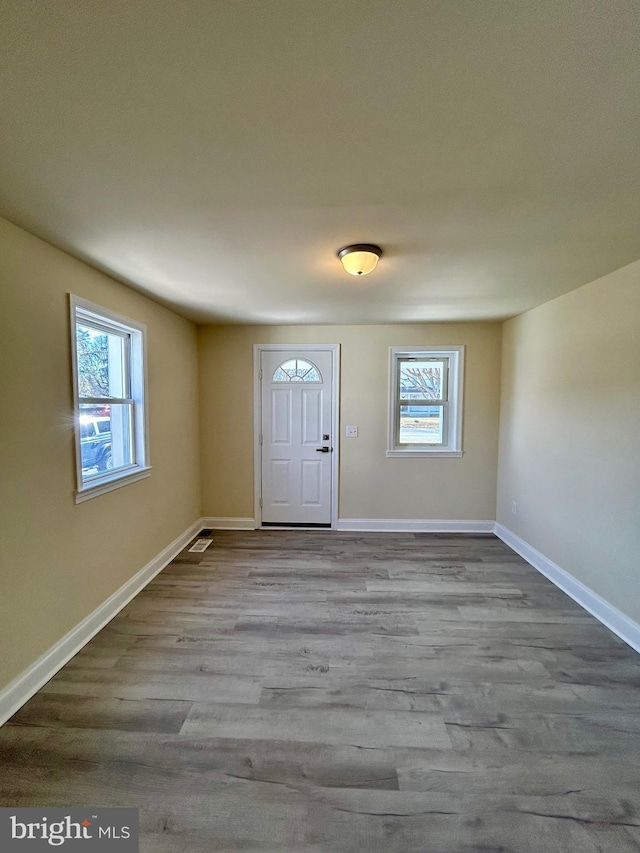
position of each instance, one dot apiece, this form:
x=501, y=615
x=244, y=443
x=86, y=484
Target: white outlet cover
x=352, y=432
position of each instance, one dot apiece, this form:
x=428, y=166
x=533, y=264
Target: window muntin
x=297, y=370
x=425, y=407
x=108, y=374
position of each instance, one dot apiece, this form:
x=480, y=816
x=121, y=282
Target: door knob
x=323, y=449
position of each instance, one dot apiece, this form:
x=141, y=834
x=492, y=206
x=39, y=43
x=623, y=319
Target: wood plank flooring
x=312, y=692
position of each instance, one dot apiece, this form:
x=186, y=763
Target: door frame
x=258, y=349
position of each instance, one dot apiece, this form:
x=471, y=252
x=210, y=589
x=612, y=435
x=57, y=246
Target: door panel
x=280, y=481
x=296, y=414
x=281, y=416
x=311, y=476
x=312, y=416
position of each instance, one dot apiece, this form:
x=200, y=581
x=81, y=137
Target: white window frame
x=136, y=333
x=452, y=439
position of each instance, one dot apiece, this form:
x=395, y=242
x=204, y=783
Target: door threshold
x=294, y=525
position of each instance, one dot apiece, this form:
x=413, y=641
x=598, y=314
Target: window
x=297, y=370
x=109, y=399
x=425, y=409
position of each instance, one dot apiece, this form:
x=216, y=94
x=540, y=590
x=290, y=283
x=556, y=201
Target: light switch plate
x=352, y=432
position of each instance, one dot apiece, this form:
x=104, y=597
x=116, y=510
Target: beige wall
x=569, y=452
x=569, y=434
x=59, y=560
x=371, y=486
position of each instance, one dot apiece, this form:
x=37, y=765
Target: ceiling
x=216, y=154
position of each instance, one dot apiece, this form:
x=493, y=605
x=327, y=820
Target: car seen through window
x=95, y=444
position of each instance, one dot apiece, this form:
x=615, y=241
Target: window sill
x=417, y=454
x=116, y=482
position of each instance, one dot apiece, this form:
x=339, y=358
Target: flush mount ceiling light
x=360, y=259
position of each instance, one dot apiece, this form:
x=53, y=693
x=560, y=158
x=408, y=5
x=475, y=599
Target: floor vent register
x=200, y=545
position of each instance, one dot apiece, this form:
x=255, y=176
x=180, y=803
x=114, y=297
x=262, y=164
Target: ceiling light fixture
x=360, y=259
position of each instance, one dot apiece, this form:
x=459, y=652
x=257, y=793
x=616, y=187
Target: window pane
x=105, y=438
x=421, y=425
x=422, y=380
x=297, y=370
x=102, y=363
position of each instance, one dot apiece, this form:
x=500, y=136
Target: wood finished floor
x=311, y=692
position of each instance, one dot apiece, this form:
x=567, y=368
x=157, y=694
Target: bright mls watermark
x=103, y=830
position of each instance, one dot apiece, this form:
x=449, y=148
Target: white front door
x=297, y=444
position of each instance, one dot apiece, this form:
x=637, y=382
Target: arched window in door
x=297, y=370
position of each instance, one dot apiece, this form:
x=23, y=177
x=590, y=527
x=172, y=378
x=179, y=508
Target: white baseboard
x=614, y=619
x=22, y=688
x=229, y=523
x=414, y=525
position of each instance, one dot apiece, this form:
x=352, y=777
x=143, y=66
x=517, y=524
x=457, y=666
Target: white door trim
x=258, y=349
